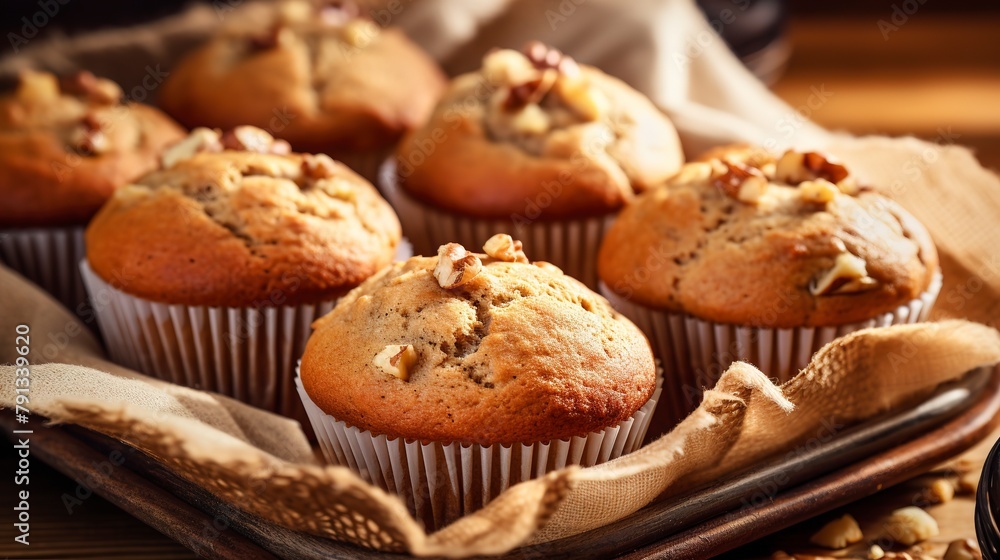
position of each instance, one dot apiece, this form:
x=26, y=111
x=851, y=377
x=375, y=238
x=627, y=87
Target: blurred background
x=925, y=67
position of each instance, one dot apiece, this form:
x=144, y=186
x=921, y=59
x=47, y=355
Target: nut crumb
x=939, y=491
x=911, y=525
x=396, y=360
x=455, y=266
x=505, y=248
x=876, y=552
x=964, y=549
x=838, y=533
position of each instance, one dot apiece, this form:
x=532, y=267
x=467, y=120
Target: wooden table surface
x=933, y=72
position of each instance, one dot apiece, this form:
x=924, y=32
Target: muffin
x=748, y=256
x=447, y=379
x=209, y=272
x=64, y=148
x=318, y=75
x=534, y=145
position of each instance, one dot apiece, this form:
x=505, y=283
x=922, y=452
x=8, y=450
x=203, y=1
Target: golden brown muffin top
x=534, y=130
x=744, y=237
x=477, y=348
x=66, y=145
x=235, y=220
x=314, y=73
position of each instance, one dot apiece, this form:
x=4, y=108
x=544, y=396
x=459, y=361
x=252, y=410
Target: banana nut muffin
x=316, y=74
x=66, y=145
x=236, y=220
x=744, y=237
x=477, y=348
x=535, y=126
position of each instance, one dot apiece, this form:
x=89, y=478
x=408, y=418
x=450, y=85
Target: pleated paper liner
x=441, y=482
x=695, y=352
x=50, y=258
x=246, y=353
x=364, y=163
x=569, y=244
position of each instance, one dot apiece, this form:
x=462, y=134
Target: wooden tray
x=857, y=463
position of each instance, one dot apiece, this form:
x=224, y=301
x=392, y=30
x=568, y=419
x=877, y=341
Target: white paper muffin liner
x=441, y=482
x=50, y=258
x=569, y=244
x=695, y=352
x=245, y=353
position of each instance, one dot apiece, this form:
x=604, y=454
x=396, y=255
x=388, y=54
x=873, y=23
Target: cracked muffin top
x=477, y=348
x=235, y=220
x=65, y=145
x=535, y=132
x=744, y=237
x=316, y=74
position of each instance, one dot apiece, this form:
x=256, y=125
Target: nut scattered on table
x=396, y=360
x=939, y=491
x=838, y=533
x=455, y=266
x=964, y=549
x=911, y=525
x=505, y=248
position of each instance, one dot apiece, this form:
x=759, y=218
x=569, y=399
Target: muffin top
x=534, y=134
x=66, y=145
x=477, y=348
x=316, y=74
x=744, y=237
x=235, y=220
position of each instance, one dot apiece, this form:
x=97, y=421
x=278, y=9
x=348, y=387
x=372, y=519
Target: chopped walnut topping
x=849, y=274
x=819, y=191
x=796, y=167
x=544, y=57
x=911, y=525
x=744, y=183
x=583, y=98
x=508, y=67
x=965, y=549
x=396, y=360
x=253, y=139
x=37, y=86
x=505, y=248
x=531, y=119
x=876, y=552
x=456, y=266
x=319, y=166
x=88, y=138
x=838, y=533
x=92, y=88
x=197, y=141
x=360, y=32
x=338, y=12
x=530, y=92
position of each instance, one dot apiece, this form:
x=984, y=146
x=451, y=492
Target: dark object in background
x=754, y=30
x=988, y=506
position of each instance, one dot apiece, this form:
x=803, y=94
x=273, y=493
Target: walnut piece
x=744, y=183
x=531, y=119
x=910, y=525
x=37, y=87
x=360, y=32
x=505, y=248
x=964, y=549
x=253, y=139
x=938, y=491
x=819, y=191
x=508, y=67
x=93, y=89
x=838, y=533
x=848, y=275
x=544, y=57
x=795, y=167
x=529, y=93
x=876, y=552
x=396, y=360
x=88, y=137
x=456, y=266
x=318, y=166
x=198, y=140
x=580, y=96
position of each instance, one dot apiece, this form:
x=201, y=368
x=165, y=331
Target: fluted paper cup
x=440, y=482
x=694, y=352
x=569, y=244
x=50, y=258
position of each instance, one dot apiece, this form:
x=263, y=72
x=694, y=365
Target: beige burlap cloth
x=263, y=463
